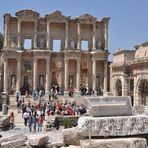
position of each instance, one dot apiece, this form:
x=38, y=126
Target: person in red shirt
x=40, y=123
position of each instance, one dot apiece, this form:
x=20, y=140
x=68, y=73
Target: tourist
x=30, y=119
x=34, y=120
x=17, y=96
x=11, y=117
x=40, y=123
x=25, y=116
x=19, y=103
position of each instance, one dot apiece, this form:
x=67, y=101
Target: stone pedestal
x=4, y=109
x=109, y=105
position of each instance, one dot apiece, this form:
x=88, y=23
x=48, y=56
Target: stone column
x=79, y=36
x=136, y=100
x=48, y=35
x=47, y=75
x=18, y=79
x=6, y=32
x=94, y=75
x=105, y=77
x=106, y=36
x=19, y=34
x=66, y=35
x=66, y=75
x=5, y=60
x=35, y=35
x=78, y=75
x=35, y=73
x=94, y=36
x=124, y=85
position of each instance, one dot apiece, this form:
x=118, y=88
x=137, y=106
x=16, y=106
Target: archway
x=118, y=87
x=143, y=91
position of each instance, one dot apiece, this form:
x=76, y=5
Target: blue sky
x=129, y=18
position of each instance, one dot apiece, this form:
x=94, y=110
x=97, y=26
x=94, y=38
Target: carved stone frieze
x=114, y=126
x=116, y=143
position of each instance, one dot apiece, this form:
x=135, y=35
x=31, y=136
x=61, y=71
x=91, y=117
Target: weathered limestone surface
x=55, y=139
x=4, y=121
x=109, y=106
x=114, y=126
x=13, y=137
x=72, y=146
x=13, y=144
x=115, y=143
x=38, y=140
x=72, y=136
x=16, y=140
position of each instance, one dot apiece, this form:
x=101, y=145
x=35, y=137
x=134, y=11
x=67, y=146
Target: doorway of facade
x=25, y=87
x=143, y=92
x=118, y=88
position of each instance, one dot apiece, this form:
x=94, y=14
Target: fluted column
x=35, y=35
x=79, y=36
x=47, y=75
x=94, y=36
x=78, y=75
x=105, y=76
x=66, y=35
x=48, y=35
x=66, y=75
x=18, y=69
x=19, y=34
x=94, y=74
x=5, y=61
x=35, y=73
x=6, y=32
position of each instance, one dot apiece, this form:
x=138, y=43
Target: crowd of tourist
x=34, y=111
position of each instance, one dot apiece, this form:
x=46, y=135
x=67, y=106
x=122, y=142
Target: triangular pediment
x=87, y=17
x=57, y=15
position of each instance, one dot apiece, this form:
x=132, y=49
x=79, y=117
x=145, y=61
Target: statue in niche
x=42, y=43
x=41, y=80
x=13, y=81
x=71, y=80
x=27, y=65
x=13, y=43
x=72, y=44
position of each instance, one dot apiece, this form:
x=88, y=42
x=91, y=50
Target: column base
x=107, y=94
x=77, y=93
x=4, y=93
x=66, y=93
x=94, y=93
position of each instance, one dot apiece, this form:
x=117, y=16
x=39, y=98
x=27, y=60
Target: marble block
x=115, y=143
x=109, y=105
x=113, y=126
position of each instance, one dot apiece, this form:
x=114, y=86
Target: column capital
x=94, y=59
x=18, y=58
x=5, y=58
x=35, y=59
x=66, y=59
x=78, y=60
x=47, y=59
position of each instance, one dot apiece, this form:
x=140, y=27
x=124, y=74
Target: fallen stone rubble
x=67, y=138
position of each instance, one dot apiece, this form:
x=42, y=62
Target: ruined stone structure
x=129, y=74
x=42, y=65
